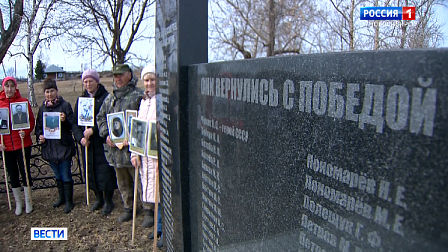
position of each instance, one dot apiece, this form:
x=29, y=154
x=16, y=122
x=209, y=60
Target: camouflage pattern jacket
x=121, y=99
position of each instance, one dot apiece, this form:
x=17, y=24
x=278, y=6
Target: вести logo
x=48, y=234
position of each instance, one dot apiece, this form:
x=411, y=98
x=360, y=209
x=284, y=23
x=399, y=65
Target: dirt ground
x=87, y=231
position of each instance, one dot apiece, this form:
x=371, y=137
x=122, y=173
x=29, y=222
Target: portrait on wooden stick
x=139, y=131
x=4, y=121
x=86, y=106
x=116, y=126
x=20, y=118
x=129, y=115
x=152, y=139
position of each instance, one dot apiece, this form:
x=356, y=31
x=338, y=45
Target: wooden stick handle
x=134, y=209
x=26, y=172
x=6, y=177
x=87, y=176
x=87, y=173
x=156, y=207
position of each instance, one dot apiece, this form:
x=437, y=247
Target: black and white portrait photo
x=4, y=121
x=117, y=127
x=20, y=118
x=152, y=139
x=139, y=131
x=129, y=115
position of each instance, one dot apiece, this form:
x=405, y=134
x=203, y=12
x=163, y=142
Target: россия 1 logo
x=387, y=13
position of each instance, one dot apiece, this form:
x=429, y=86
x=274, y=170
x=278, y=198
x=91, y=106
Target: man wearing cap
x=125, y=96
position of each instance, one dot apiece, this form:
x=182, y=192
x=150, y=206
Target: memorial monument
x=320, y=152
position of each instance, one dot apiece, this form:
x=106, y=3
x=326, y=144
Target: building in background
x=55, y=72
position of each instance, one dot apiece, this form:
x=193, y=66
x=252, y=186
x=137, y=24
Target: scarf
x=149, y=95
x=94, y=92
x=49, y=103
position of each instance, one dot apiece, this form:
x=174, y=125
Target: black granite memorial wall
x=323, y=152
x=181, y=40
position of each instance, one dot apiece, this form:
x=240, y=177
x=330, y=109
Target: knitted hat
x=148, y=69
x=49, y=83
x=8, y=79
x=91, y=73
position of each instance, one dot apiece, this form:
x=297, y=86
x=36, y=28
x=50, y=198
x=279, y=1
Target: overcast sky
x=69, y=63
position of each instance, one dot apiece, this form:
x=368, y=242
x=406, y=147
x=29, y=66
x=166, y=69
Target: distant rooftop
x=54, y=69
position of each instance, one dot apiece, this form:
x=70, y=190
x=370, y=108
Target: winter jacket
x=12, y=141
x=147, y=111
x=56, y=150
x=121, y=99
x=101, y=175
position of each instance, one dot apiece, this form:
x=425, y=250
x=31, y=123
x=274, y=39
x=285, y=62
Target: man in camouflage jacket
x=125, y=96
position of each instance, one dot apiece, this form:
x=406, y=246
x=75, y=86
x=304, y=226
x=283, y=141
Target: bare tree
x=8, y=35
x=423, y=32
x=38, y=28
x=254, y=28
x=107, y=27
x=345, y=25
x=11, y=72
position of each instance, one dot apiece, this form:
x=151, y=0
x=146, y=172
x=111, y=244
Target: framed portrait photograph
x=20, y=118
x=117, y=127
x=139, y=131
x=129, y=115
x=52, y=125
x=86, y=112
x=152, y=140
x=4, y=121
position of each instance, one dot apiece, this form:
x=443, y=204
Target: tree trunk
x=271, y=43
x=7, y=37
x=31, y=95
x=30, y=77
x=404, y=30
x=351, y=27
x=376, y=27
x=120, y=57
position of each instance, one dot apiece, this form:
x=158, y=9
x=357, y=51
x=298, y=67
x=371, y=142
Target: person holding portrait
x=148, y=111
x=58, y=152
x=12, y=146
x=102, y=178
x=125, y=96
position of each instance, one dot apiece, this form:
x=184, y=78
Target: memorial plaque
x=324, y=152
x=177, y=46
